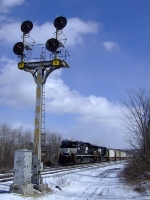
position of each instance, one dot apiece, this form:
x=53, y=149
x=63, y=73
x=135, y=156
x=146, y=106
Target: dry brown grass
x=136, y=172
x=136, y=169
x=139, y=189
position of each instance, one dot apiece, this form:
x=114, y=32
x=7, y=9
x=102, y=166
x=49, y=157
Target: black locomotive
x=77, y=152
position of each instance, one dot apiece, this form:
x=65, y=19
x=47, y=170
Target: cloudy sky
x=108, y=45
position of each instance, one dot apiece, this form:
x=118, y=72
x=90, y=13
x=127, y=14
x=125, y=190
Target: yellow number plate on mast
x=21, y=65
x=56, y=62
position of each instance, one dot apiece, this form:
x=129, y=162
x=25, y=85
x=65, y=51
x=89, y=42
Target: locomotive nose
x=67, y=150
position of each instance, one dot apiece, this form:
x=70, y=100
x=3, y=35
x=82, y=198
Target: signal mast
x=40, y=71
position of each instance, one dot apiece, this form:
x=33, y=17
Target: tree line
x=12, y=139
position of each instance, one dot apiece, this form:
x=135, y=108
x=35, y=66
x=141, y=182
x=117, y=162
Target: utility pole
x=40, y=71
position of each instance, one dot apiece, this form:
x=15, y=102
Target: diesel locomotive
x=77, y=152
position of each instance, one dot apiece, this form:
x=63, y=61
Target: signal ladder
x=43, y=139
x=43, y=118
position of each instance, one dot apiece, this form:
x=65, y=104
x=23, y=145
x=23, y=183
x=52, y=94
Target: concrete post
x=37, y=165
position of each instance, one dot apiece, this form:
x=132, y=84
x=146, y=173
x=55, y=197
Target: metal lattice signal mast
x=40, y=71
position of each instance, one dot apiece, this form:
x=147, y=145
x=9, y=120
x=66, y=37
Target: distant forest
x=12, y=139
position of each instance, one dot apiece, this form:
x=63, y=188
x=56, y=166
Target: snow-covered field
x=92, y=184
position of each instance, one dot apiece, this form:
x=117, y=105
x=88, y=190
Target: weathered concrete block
x=25, y=189
x=42, y=187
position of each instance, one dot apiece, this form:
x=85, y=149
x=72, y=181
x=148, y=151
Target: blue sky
x=108, y=44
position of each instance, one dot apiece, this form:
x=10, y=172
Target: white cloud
x=77, y=28
x=17, y=89
x=74, y=31
x=73, y=101
x=102, y=134
x=93, y=115
x=4, y=19
x=59, y=100
x=111, y=46
x=25, y=126
x=13, y=32
x=5, y=5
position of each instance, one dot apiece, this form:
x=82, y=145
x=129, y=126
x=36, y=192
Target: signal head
x=18, y=48
x=26, y=26
x=60, y=23
x=52, y=44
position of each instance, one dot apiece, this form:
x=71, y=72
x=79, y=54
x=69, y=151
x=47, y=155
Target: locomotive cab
x=68, y=151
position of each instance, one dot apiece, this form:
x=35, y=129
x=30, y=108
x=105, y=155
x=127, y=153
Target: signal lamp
x=60, y=23
x=26, y=26
x=18, y=48
x=52, y=44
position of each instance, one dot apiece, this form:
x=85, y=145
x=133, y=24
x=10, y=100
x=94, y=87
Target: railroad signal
x=26, y=26
x=18, y=48
x=40, y=70
x=60, y=23
x=52, y=44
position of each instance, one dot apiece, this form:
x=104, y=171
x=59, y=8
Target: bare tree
x=51, y=149
x=137, y=121
x=12, y=139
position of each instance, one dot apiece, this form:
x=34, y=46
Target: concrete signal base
x=42, y=187
x=25, y=189
x=38, y=184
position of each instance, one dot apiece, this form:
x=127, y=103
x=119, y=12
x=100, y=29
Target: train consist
x=77, y=152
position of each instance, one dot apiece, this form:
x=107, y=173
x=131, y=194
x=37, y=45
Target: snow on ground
x=93, y=184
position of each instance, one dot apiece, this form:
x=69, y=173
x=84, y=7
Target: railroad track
x=7, y=175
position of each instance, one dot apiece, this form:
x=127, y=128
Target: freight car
x=77, y=152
